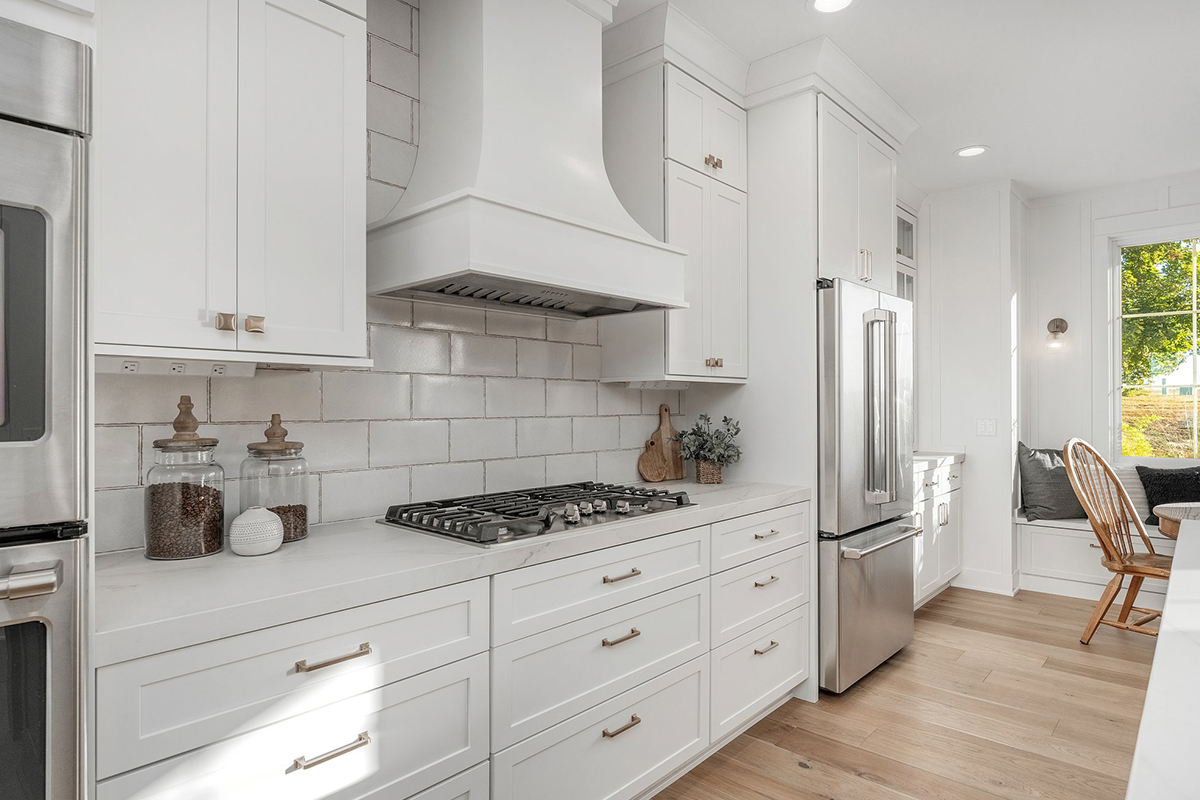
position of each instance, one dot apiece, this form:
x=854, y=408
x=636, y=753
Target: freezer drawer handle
x=767, y=649
x=634, y=721
x=772, y=532
x=853, y=553
x=363, y=740
x=633, y=634
x=633, y=573
x=32, y=583
x=364, y=649
x=767, y=582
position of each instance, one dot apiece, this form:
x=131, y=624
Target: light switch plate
x=985, y=427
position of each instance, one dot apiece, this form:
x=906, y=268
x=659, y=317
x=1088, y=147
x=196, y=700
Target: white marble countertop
x=145, y=607
x=931, y=459
x=1164, y=764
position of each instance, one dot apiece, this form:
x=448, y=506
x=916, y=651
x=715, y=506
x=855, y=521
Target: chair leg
x=1135, y=583
x=1102, y=606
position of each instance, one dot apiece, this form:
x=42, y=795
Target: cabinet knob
x=708, y=160
x=256, y=324
x=718, y=362
x=225, y=322
x=710, y=362
x=718, y=163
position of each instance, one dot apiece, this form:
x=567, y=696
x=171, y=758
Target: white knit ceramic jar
x=256, y=532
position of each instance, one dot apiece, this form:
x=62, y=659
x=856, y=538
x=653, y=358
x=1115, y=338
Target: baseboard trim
x=985, y=581
x=1149, y=597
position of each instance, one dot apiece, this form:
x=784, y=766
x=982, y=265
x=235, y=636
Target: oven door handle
x=32, y=582
x=854, y=554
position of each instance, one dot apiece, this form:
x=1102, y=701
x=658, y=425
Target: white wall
x=971, y=248
x=1070, y=393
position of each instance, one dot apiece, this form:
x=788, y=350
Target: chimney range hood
x=509, y=204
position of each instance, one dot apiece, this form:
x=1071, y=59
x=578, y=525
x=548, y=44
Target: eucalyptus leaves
x=706, y=442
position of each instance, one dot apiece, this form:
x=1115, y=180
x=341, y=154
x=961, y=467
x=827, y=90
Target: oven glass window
x=23, y=710
x=23, y=271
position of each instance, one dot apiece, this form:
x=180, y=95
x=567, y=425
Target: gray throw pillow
x=1046, y=491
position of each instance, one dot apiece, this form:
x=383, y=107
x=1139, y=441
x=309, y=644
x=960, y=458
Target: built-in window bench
x=1062, y=556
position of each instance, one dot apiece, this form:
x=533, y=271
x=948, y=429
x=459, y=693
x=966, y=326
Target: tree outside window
x=1159, y=370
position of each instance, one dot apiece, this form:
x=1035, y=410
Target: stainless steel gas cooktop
x=488, y=519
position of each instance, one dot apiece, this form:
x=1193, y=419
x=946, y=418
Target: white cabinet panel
x=474, y=784
x=164, y=216
x=877, y=210
x=950, y=544
x=685, y=119
x=927, y=571
x=616, y=750
x=727, y=142
x=750, y=595
x=689, y=211
x=302, y=157
x=728, y=279
x=421, y=730
x=742, y=539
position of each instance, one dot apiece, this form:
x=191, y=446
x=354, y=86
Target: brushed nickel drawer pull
x=364, y=649
x=634, y=721
x=363, y=740
x=633, y=634
x=1093, y=544
x=773, y=532
x=256, y=324
x=225, y=322
x=767, y=582
x=767, y=649
x=633, y=573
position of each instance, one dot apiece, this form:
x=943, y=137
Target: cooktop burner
x=488, y=519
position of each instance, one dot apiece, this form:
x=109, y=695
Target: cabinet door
x=685, y=119
x=838, y=184
x=727, y=279
x=688, y=200
x=877, y=209
x=950, y=541
x=926, y=569
x=302, y=157
x=165, y=170
x=906, y=238
x=726, y=127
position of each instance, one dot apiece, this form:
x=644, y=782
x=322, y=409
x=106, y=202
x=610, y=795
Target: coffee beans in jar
x=183, y=520
x=275, y=476
x=295, y=520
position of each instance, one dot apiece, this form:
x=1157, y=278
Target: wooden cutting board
x=662, y=460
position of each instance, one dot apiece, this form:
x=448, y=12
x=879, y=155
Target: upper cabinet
x=704, y=131
x=856, y=184
x=662, y=130
x=229, y=156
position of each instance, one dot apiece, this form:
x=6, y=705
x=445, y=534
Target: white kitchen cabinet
x=906, y=238
x=856, y=187
x=229, y=160
x=704, y=130
x=937, y=552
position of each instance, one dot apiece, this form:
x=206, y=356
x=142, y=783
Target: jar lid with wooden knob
x=186, y=426
x=276, y=442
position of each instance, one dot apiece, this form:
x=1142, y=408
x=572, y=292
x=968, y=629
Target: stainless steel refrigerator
x=865, y=497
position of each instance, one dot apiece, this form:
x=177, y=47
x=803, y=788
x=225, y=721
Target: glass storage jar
x=185, y=493
x=275, y=476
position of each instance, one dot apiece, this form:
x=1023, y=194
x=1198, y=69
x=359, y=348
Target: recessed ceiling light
x=972, y=150
x=829, y=6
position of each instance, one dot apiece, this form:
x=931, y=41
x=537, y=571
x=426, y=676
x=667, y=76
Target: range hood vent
x=509, y=203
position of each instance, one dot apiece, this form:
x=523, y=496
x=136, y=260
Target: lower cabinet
x=474, y=784
x=937, y=552
x=616, y=750
x=400, y=738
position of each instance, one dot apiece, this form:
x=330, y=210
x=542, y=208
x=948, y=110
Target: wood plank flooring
x=994, y=699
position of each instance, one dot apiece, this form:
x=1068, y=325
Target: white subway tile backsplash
x=653, y=398
x=389, y=311
x=525, y=326
x=439, y=317
x=395, y=444
x=354, y=495
x=390, y=160
x=405, y=350
x=293, y=395
x=472, y=439
x=636, y=430
x=437, y=481
x=482, y=355
x=595, y=433
x=587, y=363
x=570, y=398
x=570, y=468
x=389, y=113
x=148, y=398
x=617, y=398
x=543, y=359
x=575, y=331
x=117, y=457
x=381, y=199
x=327, y=445
x=391, y=20
x=442, y=396
x=394, y=67
x=541, y=435
x=119, y=519
x=514, y=473
x=366, y=395
x=618, y=466
x=516, y=397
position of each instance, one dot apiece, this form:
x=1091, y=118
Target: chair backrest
x=1103, y=497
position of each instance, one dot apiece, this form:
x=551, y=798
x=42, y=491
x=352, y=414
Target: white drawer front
x=1075, y=555
x=752, y=670
x=544, y=679
x=474, y=784
x=748, y=596
x=737, y=541
x=155, y=707
x=937, y=481
x=526, y=601
x=576, y=760
x=422, y=730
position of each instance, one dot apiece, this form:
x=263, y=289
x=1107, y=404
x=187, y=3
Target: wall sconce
x=1056, y=338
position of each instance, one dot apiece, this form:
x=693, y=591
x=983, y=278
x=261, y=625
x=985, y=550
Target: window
x=1159, y=370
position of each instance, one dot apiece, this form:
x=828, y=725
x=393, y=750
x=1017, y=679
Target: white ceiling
x=1069, y=94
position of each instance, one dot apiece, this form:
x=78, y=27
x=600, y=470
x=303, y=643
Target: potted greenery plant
x=710, y=447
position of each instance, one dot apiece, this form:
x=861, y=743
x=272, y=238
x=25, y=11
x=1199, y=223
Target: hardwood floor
x=995, y=698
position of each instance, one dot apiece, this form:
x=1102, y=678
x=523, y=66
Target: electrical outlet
x=178, y=368
x=129, y=366
x=218, y=369
x=985, y=427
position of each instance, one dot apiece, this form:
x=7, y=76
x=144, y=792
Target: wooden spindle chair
x=1114, y=521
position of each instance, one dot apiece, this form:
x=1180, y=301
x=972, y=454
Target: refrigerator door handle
x=881, y=368
x=893, y=410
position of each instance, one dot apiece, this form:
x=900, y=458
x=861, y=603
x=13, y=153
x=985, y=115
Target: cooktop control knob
x=622, y=506
x=571, y=513
x=585, y=508
x=601, y=506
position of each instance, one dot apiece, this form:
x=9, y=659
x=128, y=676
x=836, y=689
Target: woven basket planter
x=708, y=472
